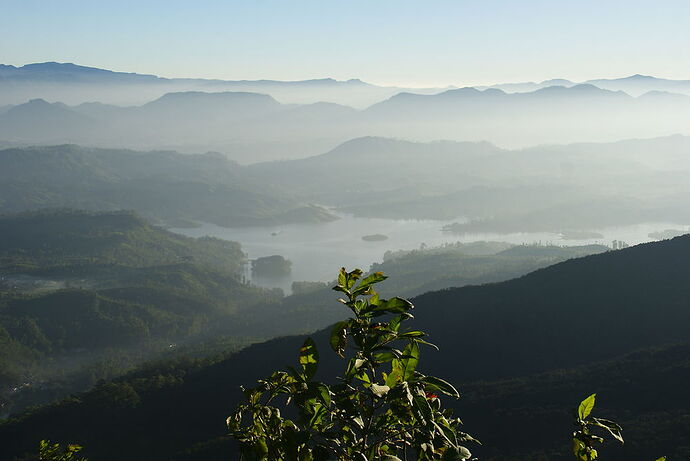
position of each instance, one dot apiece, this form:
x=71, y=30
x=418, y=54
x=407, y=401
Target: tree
x=382, y=408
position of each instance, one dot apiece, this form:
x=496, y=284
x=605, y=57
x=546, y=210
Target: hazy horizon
x=386, y=43
x=436, y=85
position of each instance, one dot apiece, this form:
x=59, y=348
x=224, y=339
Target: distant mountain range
x=634, y=85
x=253, y=127
x=74, y=84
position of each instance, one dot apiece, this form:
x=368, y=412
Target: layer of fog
x=266, y=120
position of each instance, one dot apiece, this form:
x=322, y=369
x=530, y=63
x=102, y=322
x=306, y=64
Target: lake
x=317, y=251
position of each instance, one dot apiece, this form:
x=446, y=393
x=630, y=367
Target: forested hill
x=165, y=186
x=575, y=312
x=579, y=312
x=43, y=239
x=85, y=296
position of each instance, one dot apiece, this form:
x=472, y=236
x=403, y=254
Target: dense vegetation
x=274, y=265
x=51, y=240
x=523, y=351
x=455, y=265
x=84, y=296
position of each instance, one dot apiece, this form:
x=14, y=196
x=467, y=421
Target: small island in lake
x=271, y=266
x=375, y=238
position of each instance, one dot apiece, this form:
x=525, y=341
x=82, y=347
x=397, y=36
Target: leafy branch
x=382, y=407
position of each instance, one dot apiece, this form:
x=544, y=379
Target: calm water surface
x=317, y=251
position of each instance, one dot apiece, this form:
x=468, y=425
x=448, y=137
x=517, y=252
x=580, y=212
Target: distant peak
x=557, y=81
x=463, y=90
x=639, y=77
x=203, y=95
x=580, y=88
x=496, y=91
x=52, y=65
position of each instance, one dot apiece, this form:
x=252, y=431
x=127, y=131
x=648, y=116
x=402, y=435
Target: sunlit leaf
x=586, y=407
x=378, y=390
x=366, y=283
x=309, y=358
x=342, y=277
x=412, y=334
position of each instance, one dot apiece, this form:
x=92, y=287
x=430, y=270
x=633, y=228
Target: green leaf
x=353, y=367
x=409, y=360
x=586, y=407
x=392, y=306
x=394, y=324
x=456, y=454
x=342, y=277
x=352, y=277
x=309, y=358
x=366, y=283
x=412, y=334
x=404, y=367
x=663, y=458
x=364, y=377
x=395, y=374
x=324, y=393
x=421, y=404
x=421, y=341
x=441, y=385
x=338, y=339
x=317, y=417
x=379, y=391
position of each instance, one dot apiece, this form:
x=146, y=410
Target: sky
x=389, y=42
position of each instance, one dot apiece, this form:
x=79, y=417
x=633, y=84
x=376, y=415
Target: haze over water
x=318, y=250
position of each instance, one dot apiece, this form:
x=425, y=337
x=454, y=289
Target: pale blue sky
x=432, y=42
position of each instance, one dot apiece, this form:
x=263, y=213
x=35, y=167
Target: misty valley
x=165, y=241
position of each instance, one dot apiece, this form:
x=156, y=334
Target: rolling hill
x=167, y=187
